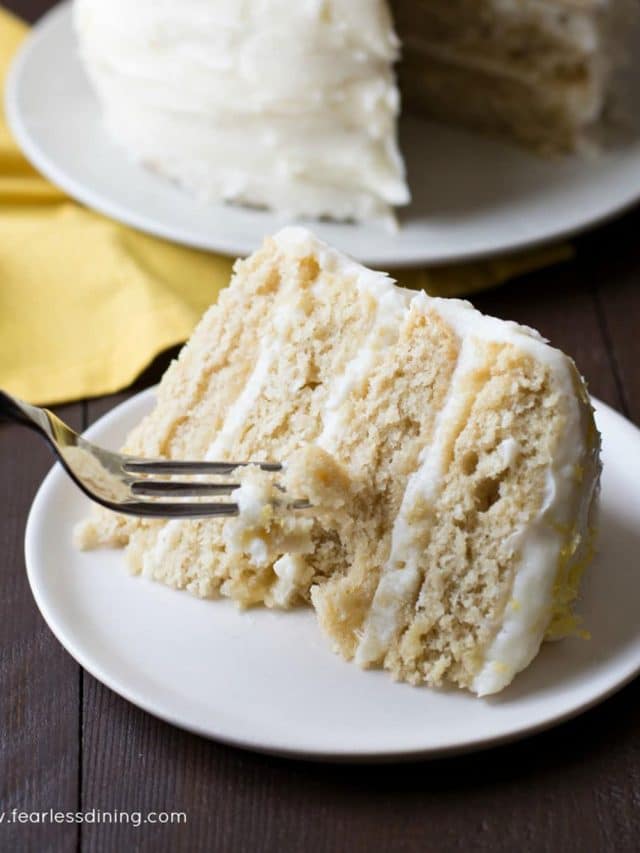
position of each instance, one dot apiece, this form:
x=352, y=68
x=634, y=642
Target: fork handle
x=16, y=411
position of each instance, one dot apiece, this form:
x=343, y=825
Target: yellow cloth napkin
x=87, y=303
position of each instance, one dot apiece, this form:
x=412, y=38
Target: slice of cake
x=451, y=460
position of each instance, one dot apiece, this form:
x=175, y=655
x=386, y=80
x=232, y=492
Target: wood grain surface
x=68, y=743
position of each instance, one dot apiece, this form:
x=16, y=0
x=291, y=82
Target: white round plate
x=472, y=196
x=268, y=681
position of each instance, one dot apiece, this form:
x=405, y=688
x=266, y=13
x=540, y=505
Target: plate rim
x=95, y=200
x=276, y=746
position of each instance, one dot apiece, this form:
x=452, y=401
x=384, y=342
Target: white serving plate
x=268, y=681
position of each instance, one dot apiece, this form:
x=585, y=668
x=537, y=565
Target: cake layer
x=450, y=458
x=543, y=119
x=288, y=106
x=540, y=38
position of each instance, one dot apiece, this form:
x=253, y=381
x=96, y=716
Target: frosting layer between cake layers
x=288, y=105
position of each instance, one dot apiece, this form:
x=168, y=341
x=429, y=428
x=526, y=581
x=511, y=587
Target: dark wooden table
x=68, y=743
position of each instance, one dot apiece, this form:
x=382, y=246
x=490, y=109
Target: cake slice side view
x=452, y=460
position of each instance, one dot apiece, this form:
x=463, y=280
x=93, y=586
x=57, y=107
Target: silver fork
x=129, y=484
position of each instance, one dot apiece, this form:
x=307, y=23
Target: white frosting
x=390, y=312
x=283, y=318
x=267, y=537
x=508, y=450
x=243, y=404
x=401, y=575
x=527, y=614
x=166, y=543
x=169, y=536
x=392, y=305
x=288, y=105
x=294, y=575
x=252, y=498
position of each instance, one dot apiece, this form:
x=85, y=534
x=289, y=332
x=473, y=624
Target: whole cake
x=293, y=105
x=450, y=459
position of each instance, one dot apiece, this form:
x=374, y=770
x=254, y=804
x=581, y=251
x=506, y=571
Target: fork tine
x=174, y=466
x=164, y=509
x=174, y=489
